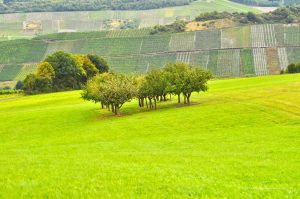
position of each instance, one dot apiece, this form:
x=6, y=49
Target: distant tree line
x=63, y=71
x=177, y=26
x=268, y=3
x=80, y=5
x=113, y=90
x=289, y=14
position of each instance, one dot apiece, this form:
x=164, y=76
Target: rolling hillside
x=24, y=25
x=238, y=140
x=241, y=51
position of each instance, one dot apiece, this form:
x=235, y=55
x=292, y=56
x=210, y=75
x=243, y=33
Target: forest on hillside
x=9, y=6
x=268, y=2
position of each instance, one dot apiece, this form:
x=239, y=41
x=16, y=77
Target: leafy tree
x=87, y=66
x=195, y=80
x=111, y=89
x=68, y=73
x=174, y=74
x=19, y=85
x=100, y=63
x=30, y=84
x=45, y=70
x=156, y=86
x=298, y=68
x=291, y=68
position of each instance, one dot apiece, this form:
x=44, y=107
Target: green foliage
x=68, y=73
x=268, y=3
x=45, y=70
x=19, y=85
x=177, y=26
x=100, y=63
x=281, y=15
x=182, y=78
x=293, y=68
x=10, y=92
x=110, y=89
x=75, y=5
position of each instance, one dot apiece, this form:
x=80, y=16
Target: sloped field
x=228, y=63
x=239, y=140
x=53, y=22
x=273, y=61
x=183, y=42
x=156, y=43
x=238, y=37
x=247, y=65
x=210, y=39
x=247, y=50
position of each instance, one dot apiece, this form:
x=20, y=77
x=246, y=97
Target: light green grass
x=239, y=140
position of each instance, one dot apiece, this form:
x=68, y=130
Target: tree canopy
x=63, y=71
x=80, y=5
x=113, y=90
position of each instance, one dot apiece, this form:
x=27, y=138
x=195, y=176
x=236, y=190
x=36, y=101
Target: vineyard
x=255, y=50
x=13, y=26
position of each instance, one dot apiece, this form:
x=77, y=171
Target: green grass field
x=239, y=140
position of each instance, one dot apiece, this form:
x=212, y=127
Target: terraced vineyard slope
x=24, y=25
x=240, y=51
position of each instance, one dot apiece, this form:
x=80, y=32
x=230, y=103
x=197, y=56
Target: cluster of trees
x=289, y=14
x=268, y=3
x=293, y=68
x=113, y=90
x=63, y=71
x=80, y=5
x=177, y=26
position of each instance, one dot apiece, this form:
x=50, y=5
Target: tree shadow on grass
x=134, y=109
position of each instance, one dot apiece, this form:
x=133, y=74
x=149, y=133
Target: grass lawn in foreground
x=239, y=140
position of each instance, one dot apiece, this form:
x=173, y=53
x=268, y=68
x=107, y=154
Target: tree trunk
x=184, y=99
x=170, y=97
x=146, y=102
x=140, y=104
x=188, y=99
x=142, y=101
x=150, y=103
x=112, y=108
x=116, y=109
x=155, y=104
x=165, y=97
x=102, y=105
x=178, y=98
x=108, y=107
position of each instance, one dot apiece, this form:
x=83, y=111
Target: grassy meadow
x=239, y=140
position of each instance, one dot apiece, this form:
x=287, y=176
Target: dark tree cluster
x=292, y=68
x=63, y=71
x=113, y=90
x=289, y=14
x=268, y=3
x=82, y=5
x=177, y=26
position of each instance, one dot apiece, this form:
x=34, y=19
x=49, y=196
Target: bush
x=9, y=92
x=19, y=85
x=298, y=68
x=291, y=68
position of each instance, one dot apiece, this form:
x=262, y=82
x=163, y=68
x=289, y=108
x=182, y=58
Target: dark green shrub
x=291, y=68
